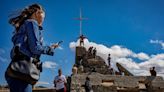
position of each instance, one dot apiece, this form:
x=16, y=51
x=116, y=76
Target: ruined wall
x=113, y=83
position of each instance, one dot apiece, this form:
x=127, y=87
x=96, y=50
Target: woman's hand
x=54, y=46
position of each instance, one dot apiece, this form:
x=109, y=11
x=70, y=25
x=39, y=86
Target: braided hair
x=25, y=14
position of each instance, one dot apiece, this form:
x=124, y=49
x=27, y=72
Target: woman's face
x=40, y=16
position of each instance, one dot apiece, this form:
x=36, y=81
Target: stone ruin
x=89, y=63
x=103, y=80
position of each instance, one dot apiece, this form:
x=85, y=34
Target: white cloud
x=126, y=57
x=155, y=60
x=158, y=42
x=141, y=56
x=49, y=64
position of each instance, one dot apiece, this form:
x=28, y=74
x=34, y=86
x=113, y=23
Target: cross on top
x=81, y=19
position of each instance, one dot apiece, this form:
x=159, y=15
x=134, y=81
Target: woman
x=28, y=42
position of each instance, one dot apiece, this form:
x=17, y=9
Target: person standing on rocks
x=90, y=49
x=109, y=58
x=88, y=86
x=94, y=52
x=74, y=69
x=153, y=72
x=82, y=37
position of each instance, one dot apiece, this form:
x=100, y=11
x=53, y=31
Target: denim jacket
x=30, y=40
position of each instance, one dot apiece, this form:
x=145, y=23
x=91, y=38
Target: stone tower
x=89, y=62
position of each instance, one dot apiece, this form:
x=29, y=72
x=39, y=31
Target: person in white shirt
x=60, y=82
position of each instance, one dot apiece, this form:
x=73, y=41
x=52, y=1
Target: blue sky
x=136, y=25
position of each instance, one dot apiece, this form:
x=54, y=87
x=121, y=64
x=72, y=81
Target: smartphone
x=59, y=42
